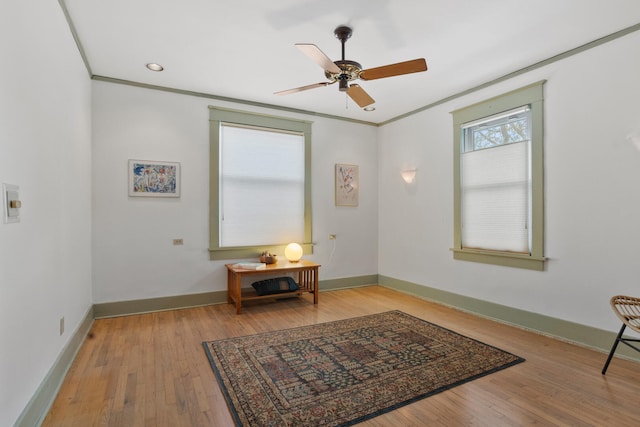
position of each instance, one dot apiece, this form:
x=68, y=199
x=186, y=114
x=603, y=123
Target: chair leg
x=613, y=349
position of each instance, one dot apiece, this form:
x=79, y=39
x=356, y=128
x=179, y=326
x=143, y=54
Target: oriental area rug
x=344, y=372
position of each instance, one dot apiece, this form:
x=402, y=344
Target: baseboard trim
x=33, y=414
x=347, y=282
x=587, y=336
x=149, y=305
x=560, y=329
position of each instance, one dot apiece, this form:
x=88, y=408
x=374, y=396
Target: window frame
x=531, y=95
x=219, y=115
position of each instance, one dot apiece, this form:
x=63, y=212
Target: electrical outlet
x=61, y=326
x=332, y=237
x=178, y=242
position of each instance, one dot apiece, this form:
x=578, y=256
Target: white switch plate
x=10, y=192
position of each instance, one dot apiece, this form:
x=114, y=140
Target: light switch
x=12, y=203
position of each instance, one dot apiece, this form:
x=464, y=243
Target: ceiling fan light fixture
x=154, y=67
x=343, y=85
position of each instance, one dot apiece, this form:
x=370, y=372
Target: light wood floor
x=151, y=369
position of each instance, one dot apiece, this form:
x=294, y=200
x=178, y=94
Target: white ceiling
x=244, y=49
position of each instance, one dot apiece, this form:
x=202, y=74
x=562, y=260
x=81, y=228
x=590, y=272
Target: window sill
x=216, y=254
x=507, y=259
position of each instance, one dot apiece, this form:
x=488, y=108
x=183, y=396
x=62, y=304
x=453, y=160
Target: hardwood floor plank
x=151, y=370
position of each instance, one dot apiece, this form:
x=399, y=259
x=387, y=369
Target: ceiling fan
x=345, y=71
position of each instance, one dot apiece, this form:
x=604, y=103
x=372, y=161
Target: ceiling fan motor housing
x=350, y=70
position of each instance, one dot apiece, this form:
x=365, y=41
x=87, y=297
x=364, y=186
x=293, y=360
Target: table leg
x=230, y=280
x=315, y=285
x=238, y=293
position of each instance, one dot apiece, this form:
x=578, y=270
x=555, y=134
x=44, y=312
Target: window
x=498, y=212
x=260, y=183
x=495, y=183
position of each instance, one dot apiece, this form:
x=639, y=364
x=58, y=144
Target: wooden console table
x=307, y=281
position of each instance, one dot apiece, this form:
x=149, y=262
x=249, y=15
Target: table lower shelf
x=250, y=294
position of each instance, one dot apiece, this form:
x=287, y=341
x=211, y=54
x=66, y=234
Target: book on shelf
x=250, y=265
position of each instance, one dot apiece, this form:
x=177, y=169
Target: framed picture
x=154, y=179
x=347, y=183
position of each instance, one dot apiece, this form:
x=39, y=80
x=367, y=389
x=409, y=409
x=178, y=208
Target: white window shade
x=495, y=192
x=262, y=186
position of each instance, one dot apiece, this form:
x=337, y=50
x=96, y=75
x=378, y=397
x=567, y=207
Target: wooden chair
x=628, y=310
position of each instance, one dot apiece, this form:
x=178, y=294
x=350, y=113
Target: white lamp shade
x=293, y=252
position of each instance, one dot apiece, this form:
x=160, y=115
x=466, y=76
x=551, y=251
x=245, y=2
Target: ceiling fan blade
x=407, y=67
x=318, y=56
x=301, y=88
x=359, y=96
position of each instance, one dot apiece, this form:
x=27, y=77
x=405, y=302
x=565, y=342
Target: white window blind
x=495, y=194
x=262, y=186
x=496, y=183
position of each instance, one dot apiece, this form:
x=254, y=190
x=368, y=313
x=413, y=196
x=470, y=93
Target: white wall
x=592, y=193
x=133, y=255
x=45, y=149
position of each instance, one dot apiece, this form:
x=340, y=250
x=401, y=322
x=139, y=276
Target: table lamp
x=293, y=252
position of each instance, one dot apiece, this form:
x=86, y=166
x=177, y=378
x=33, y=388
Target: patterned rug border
x=223, y=388
x=238, y=422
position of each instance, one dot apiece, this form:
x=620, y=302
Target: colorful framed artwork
x=154, y=179
x=347, y=183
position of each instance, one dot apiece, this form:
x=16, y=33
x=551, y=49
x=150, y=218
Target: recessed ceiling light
x=154, y=67
x=369, y=108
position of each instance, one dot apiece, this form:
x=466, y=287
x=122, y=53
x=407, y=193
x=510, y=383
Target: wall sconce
x=409, y=175
x=293, y=252
x=634, y=138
